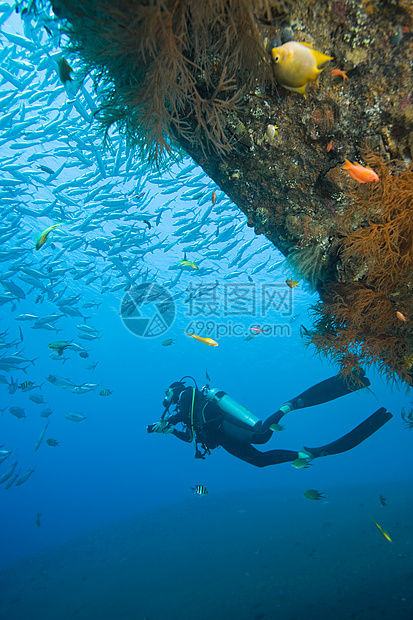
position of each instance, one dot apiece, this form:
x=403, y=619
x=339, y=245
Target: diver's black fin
x=330, y=389
x=354, y=437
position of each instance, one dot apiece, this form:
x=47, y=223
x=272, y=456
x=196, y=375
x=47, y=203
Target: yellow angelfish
x=292, y=283
x=296, y=64
x=385, y=534
x=208, y=341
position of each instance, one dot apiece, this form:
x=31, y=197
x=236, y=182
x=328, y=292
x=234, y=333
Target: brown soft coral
x=167, y=61
x=357, y=320
x=383, y=242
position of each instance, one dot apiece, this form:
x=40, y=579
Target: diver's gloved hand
x=162, y=427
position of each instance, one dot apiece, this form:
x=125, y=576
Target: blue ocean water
x=108, y=514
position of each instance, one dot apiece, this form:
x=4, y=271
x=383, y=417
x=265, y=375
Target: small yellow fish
x=271, y=132
x=42, y=238
x=385, y=534
x=188, y=263
x=64, y=70
x=292, y=283
x=296, y=64
x=208, y=341
x=301, y=464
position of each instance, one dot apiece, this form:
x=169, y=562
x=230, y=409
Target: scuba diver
x=211, y=418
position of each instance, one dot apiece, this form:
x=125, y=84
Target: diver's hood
x=172, y=394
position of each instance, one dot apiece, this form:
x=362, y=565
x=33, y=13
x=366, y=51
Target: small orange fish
x=360, y=173
x=339, y=72
x=214, y=197
x=208, y=341
x=329, y=146
x=401, y=316
x=292, y=283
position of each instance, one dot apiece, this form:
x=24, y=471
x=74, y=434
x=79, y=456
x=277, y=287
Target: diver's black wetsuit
x=207, y=427
x=207, y=424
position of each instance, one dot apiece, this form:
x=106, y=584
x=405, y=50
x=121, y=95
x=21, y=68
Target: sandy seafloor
x=249, y=556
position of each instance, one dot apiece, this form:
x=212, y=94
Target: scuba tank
x=237, y=421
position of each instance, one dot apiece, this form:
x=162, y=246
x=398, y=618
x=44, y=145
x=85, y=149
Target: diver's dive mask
x=172, y=394
x=167, y=401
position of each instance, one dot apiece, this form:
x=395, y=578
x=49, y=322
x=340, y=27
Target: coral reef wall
x=198, y=75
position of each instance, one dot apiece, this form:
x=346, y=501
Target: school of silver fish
x=103, y=221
